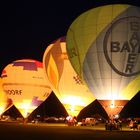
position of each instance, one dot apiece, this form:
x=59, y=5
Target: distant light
x=38, y=116
x=117, y=116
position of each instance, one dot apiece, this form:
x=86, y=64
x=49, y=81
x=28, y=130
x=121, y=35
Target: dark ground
x=16, y=131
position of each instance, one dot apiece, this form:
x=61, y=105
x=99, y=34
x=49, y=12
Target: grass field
x=52, y=131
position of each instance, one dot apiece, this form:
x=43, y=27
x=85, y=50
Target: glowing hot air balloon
x=65, y=83
x=103, y=45
x=4, y=104
x=25, y=85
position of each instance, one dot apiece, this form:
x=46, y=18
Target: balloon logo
x=25, y=85
x=103, y=47
x=125, y=46
x=64, y=81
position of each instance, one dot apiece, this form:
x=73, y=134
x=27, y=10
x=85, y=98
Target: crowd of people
x=113, y=124
x=71, y=120
x=116, y=124
x=134, y=125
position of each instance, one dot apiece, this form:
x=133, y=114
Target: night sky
x=25, y=25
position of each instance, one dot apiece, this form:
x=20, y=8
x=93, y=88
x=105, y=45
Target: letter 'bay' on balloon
x=64, y=81
x=24, y=83
x=103, y=45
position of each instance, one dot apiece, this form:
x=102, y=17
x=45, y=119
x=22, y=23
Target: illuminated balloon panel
x=129, y=91
x=4, y=104
x=103, y=47
x=25, y=85
x=66, y=84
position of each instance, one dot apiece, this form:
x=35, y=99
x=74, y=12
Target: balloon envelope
x=103, y=47
x=4, y=104
x=25, y=85
x=65, y=83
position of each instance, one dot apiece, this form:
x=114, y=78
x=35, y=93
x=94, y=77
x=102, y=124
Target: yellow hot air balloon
x=25, y=85
x=103, y=45
x=4, y=104
x=64, y=81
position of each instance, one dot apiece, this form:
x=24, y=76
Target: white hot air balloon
x=103, y=45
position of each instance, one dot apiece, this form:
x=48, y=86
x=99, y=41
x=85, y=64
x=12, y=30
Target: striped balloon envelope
x=25, y=85
x=64, y=81
x=103, y=45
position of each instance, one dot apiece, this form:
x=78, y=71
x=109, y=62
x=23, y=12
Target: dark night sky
x=24, y=25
